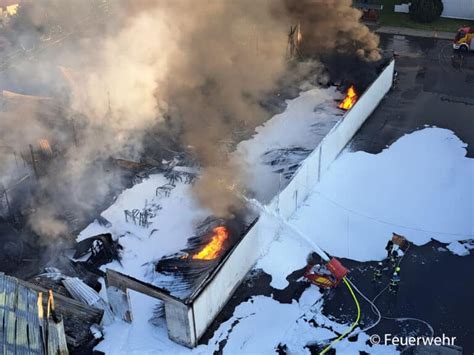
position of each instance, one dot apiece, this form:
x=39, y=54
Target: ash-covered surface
x=285, y=161
x=159, y=223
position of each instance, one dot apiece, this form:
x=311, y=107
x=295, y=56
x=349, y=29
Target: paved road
x=435, y=88
x=414, y=32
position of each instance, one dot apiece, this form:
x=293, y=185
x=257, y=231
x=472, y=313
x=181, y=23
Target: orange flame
x=213, y=248
x=350, y=99
x=45, y=146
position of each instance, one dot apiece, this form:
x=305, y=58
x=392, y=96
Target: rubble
x=29, y=329
x=100, y=249
x=85, y=294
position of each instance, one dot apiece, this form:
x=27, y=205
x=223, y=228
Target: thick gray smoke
x=332, y=26
x=206, y=65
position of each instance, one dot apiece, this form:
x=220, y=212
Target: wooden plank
x=77, y=316
x=124, y=282
x=56, y=339
x=63, y=350
x=65, y=304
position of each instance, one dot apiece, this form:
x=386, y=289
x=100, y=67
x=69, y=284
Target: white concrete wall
x=403, y=8
x=317, y=163
x=462, y=9
x=215, y=295
x=211, y=300
x=180, y=323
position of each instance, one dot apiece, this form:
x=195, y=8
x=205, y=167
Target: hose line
x=374, y=307
x=356, y=322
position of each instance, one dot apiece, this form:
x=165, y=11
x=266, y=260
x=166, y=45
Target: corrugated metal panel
x=2, y=312
x=34, y=337
x=463, y=9
x=80, y=291
x=20, y=327
x=22, y=321
x=56, y=338
x=10, y=316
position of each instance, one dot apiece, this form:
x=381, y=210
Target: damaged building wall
x=179, y=316
x=212, y=298
x=188, y=320
x=314, y=166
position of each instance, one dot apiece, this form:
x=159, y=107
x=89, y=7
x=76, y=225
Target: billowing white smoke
x=206, y=65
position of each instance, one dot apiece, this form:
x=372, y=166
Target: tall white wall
x=316, y=164
x=462, y=9
x=214, y=296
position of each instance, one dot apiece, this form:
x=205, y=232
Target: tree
x=426, y=10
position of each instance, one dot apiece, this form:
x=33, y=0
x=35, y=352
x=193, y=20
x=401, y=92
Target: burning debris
x=182, y=272
x=83, y=127
x=214, y=248
x=350, y=99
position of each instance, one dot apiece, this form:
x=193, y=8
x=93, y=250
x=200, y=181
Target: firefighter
x=389, y=248
x=394, y=258
x=394, y=281
x=378, y=272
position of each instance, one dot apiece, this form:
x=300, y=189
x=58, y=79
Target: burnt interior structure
x=32, y=193
x=182, y=274
x=187, y=280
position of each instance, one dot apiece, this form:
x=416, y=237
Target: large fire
x=350, y=99
x=214, y=247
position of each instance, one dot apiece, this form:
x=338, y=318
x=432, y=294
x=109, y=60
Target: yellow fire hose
x=347, y=332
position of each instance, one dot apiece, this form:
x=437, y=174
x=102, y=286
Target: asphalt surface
x=435, y=88
x=436, y=287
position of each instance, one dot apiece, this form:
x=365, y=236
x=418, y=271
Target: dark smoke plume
x=332, y=26
x=115, y=73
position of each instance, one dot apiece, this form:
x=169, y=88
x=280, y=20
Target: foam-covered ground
x=420, y=187
x=300, y=127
